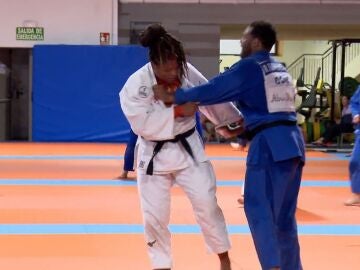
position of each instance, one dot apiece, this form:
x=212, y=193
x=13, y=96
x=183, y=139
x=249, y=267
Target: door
x=4, y=96
x=15, y=94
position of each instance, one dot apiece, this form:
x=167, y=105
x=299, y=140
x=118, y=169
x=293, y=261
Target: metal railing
x=310, y=63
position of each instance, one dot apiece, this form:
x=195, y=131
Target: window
x=233, y=47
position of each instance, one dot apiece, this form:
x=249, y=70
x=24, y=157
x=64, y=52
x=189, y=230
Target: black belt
x=159, y=144
x=250, y=134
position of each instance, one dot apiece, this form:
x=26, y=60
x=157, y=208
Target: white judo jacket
x=152, y=121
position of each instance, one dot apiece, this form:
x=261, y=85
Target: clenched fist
x=187, y=109
x=163, y=93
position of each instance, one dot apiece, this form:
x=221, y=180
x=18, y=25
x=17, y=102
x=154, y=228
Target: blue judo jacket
x=262, y=89
x=355, y=108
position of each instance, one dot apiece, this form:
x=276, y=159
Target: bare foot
x=241, y=200
x=123, y=175
x=319, y=141
x=235, y=145
x=354, y=200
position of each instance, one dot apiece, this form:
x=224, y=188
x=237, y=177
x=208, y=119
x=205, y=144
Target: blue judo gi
x=354, y=166
x=262, y=89
x=129, y=152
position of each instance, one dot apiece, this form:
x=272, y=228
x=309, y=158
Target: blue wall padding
x=76, y=91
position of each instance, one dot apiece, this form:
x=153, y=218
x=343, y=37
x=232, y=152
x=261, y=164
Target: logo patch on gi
x=144, y=91
x=150, y=244
x=141, y=164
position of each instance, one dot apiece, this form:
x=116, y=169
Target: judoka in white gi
x=170, y=150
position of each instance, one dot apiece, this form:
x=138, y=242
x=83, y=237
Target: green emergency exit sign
x=29, y=33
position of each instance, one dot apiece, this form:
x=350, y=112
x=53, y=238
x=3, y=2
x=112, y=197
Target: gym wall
x=75, y=91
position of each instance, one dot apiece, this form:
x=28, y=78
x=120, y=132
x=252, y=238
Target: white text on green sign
x=29, y=33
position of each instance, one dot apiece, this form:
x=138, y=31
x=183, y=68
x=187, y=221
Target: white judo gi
x=153, y=121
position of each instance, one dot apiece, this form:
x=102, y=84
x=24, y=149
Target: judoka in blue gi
x=354, y=166
x=263, y=91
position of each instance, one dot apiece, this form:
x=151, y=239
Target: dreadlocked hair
x=163, y=47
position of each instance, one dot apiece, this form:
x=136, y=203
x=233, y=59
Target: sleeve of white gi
x=148, y=118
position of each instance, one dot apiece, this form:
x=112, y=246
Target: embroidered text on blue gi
x=270, y=67
x=279, y=98
x=281, y=80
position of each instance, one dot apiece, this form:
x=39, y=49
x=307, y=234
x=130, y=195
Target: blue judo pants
x=271, y=193
x=129, y=152
x=354, y=166
x=198, y=126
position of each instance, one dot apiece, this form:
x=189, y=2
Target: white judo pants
x=199, y=184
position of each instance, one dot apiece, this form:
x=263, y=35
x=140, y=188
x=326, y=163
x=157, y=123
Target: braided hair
x=163, y=47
